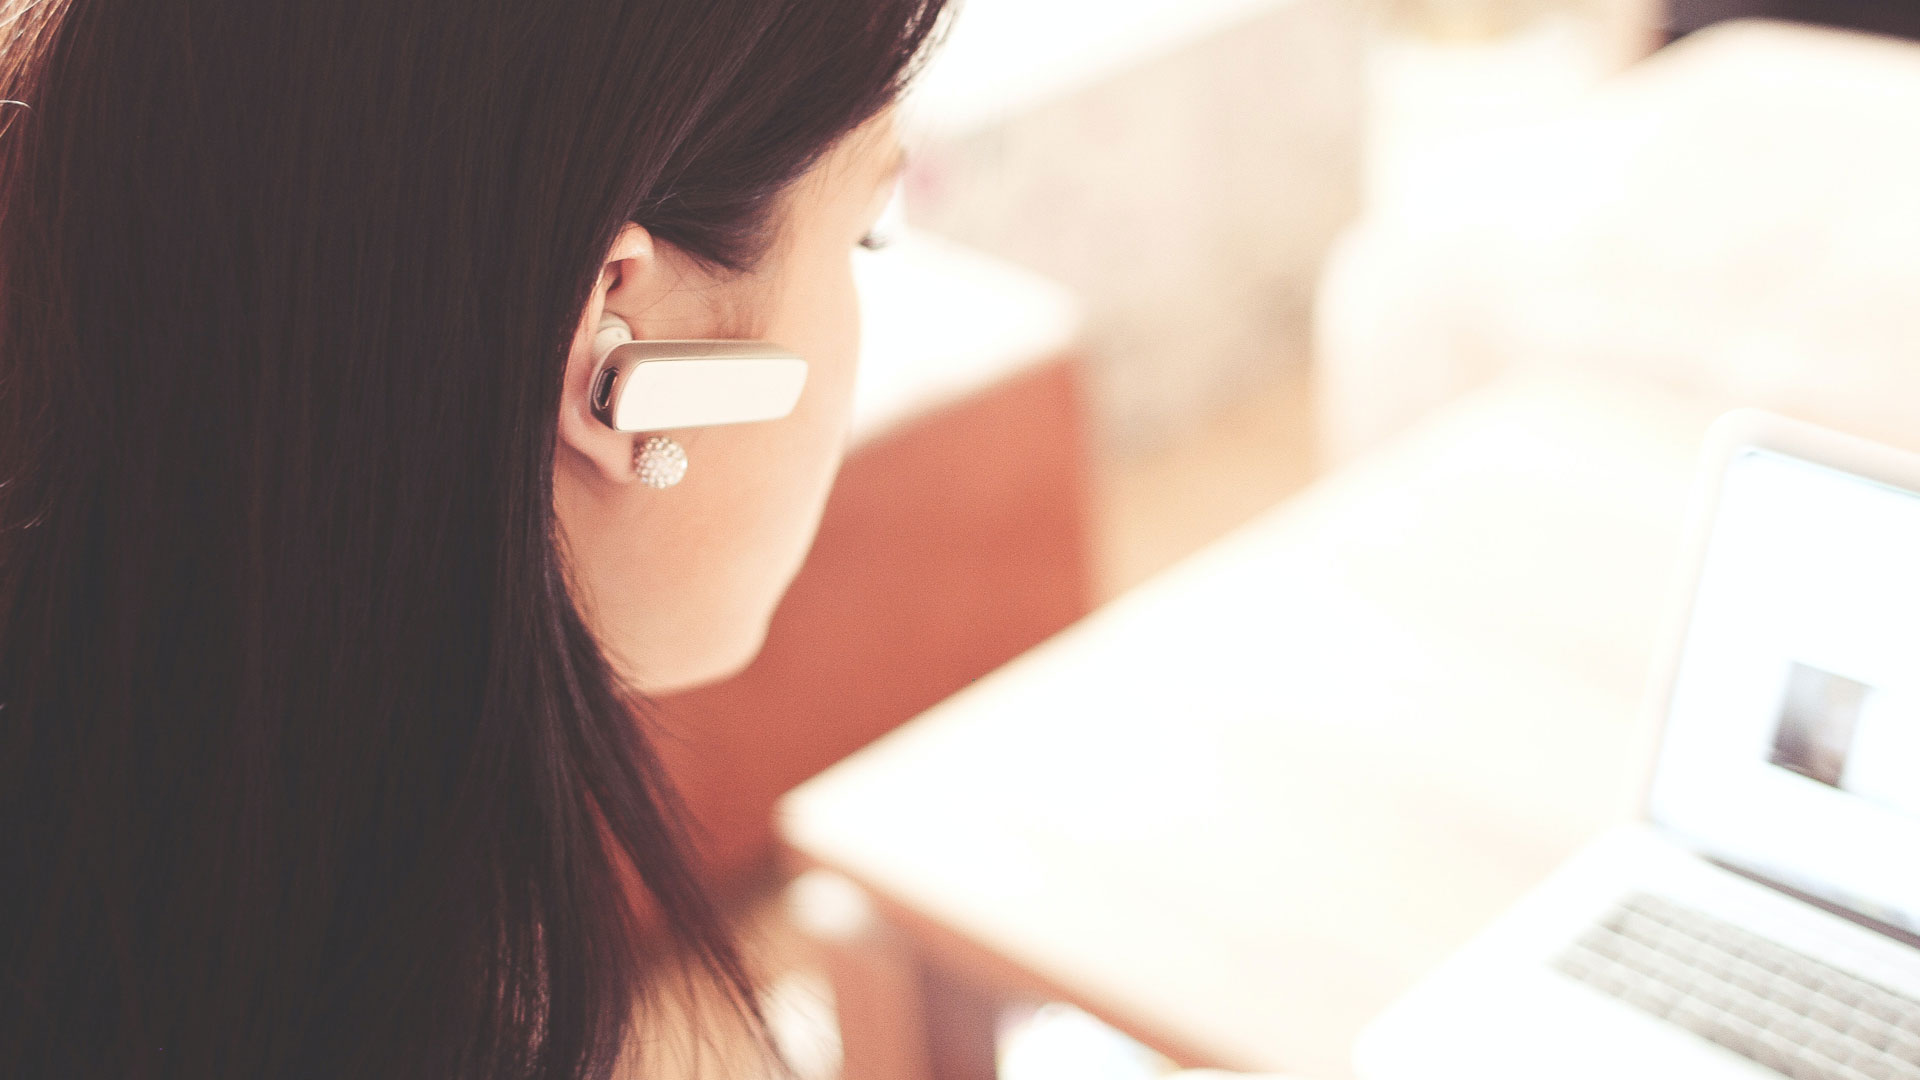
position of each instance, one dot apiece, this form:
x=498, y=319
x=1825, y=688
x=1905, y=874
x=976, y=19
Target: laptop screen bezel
x=1734, y=436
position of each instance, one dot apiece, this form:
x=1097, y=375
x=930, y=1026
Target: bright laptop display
x=1792, y=746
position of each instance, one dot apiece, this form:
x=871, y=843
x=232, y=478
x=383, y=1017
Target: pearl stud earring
x=659, y=462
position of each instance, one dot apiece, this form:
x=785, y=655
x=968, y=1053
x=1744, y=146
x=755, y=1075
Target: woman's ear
x=626, y=285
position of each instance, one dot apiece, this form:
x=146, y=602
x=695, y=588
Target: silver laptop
x=1762, y=919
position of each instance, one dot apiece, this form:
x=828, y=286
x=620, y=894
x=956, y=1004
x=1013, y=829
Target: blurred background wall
x=1185, y=167
x=1186, y=181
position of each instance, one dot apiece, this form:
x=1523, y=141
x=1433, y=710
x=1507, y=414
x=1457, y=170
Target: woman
x=325, y=599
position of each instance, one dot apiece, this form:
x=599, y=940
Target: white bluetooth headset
x=672, y=385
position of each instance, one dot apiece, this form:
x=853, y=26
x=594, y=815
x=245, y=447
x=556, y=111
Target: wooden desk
x=1238, y=811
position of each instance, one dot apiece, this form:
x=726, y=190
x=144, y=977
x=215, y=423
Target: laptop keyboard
x=1780, y=1008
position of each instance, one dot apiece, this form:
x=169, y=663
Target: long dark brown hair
x=308, y=765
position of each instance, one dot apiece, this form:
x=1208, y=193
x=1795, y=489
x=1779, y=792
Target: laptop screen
x=1792, y=746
